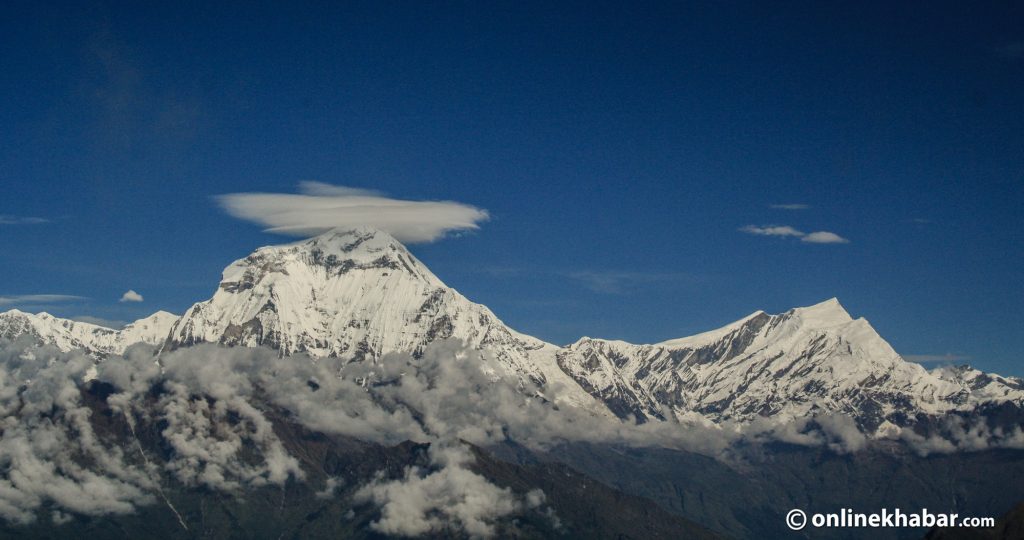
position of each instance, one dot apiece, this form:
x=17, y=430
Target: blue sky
x=619, y=151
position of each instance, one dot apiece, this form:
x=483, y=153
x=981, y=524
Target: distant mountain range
x=706, y=436
x=359, y=294
x=98, y=341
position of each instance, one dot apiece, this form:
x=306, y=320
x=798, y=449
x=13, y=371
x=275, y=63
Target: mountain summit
x=355, y=294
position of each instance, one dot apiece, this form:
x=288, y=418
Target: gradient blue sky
x=619, y=150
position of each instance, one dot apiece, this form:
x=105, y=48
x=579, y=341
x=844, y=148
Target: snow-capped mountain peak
x=333, y=253
x=821, y=315
x=355, y=294
x=152, y=330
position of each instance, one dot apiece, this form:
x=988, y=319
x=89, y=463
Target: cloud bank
x=211, y=404
x=320, y=207
x=429, y=500
x=817, y=237
x=46, y=437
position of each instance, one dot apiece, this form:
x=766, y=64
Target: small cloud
x=131, y=296
x=817, y=237
x=920, y=221
x=7, y=219
x=772, y=230
x=824, y=237
x=37, y=299
x=790, y=206
x=320, y=207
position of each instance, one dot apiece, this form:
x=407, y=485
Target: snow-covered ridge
x=796, y=364
x=98, y=340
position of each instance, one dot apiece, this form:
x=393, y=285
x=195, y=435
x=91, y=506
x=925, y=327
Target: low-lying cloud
x=46, y=436
x=212, y=404
x=320, y=207
x=430, y=500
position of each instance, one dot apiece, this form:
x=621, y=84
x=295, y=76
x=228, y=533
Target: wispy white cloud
x=320, y=207
x=130, y=109
x=38, y=299
x=597, y=280
x=947, y=358
x=617, y=282
x=99, y=321
x=824, y=237
x=790, y=206
x=817, y=237
x=772, y=230
x=7, y=219
x=131, y=296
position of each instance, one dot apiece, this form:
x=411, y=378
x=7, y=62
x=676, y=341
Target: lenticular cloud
x=320, y=207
